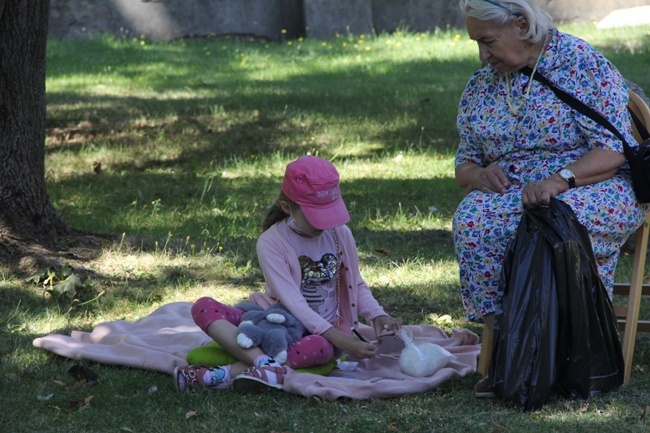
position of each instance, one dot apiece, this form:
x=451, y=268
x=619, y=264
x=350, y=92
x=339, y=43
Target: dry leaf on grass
x=61, y=383
x=80, y=403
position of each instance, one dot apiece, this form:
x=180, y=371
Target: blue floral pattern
x=543, y=138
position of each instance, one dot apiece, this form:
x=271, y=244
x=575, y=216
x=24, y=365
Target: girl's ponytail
x=276, y=213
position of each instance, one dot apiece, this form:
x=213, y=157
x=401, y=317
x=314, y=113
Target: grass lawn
x=174, y=151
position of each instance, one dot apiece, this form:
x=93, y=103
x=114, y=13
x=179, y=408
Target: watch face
x=566, y=174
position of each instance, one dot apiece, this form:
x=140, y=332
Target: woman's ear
x=522, y=24
x=284, y=205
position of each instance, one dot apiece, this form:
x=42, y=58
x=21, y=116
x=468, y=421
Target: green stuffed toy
x=213, y=354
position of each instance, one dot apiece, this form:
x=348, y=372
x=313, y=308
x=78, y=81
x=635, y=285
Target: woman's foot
x=193, y=377
x=484, y=389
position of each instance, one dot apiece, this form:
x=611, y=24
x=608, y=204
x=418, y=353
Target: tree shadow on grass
x=231, y=211
x=254, y=116
x=170, y=141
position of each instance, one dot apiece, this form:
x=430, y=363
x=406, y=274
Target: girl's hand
x=356, y=348
x=384, y=324
x=350, y=344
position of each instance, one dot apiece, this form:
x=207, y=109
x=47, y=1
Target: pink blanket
x=161, y=341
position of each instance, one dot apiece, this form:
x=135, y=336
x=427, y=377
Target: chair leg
x=634, y=298
x=486, y=352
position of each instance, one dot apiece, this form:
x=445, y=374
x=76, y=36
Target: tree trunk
x=26, y=213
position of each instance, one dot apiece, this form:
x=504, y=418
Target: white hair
x=506, y=11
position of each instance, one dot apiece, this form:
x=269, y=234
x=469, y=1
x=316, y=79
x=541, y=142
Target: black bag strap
x=583, y=108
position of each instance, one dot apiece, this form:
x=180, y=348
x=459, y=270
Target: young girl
x=310, y=265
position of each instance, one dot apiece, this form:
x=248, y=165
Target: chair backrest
x=638, y=106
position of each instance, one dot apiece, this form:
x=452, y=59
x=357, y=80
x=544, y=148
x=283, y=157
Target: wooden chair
x=483, y=367
x=628, y=315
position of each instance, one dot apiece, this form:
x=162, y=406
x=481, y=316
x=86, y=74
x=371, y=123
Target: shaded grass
x=176, y=150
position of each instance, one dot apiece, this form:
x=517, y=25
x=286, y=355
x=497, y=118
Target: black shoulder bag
x=637, y=157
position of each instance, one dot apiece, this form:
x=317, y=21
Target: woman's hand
x=490, y=179
x=537, y=194
x=592, y=167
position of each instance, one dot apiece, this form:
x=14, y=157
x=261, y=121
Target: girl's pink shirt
x=282, y=274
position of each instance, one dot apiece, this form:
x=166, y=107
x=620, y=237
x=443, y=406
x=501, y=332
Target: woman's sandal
x=190, y=377
x=484, y=389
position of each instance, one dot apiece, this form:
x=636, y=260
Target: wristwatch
x=568, y=175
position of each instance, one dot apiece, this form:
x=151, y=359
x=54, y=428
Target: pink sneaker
x=193, y=377
x=259, y=379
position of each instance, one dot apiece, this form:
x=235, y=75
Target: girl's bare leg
x=225, y=334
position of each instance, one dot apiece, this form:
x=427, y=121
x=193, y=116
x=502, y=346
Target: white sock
x=217, y=377
x=263, y=360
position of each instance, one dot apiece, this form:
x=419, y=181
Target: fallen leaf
x=191, y=414
x=383, y=251
x=60, y=383
x=17, y=328
x=646, y=411
x=80, y=404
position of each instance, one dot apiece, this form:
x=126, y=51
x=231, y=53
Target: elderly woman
x=521, y=146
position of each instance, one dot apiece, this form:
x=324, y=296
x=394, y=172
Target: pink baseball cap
x=313, y=183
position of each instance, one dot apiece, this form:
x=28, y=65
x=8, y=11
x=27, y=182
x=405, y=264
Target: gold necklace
x=514, y=108
x=338, y=279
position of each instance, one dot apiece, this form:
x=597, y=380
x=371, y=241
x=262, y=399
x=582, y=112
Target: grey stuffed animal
x=273, y=329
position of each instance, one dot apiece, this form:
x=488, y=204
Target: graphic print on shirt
x=316, y=276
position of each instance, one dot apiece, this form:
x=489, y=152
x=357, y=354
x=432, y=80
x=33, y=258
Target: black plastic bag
x=556, y=330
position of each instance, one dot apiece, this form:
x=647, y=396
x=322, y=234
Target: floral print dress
x=544, y=137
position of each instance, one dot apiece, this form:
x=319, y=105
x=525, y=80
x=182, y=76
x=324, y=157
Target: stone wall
x=173, y=19
x=325, y=18
x=276, y=19
x=415, y=15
